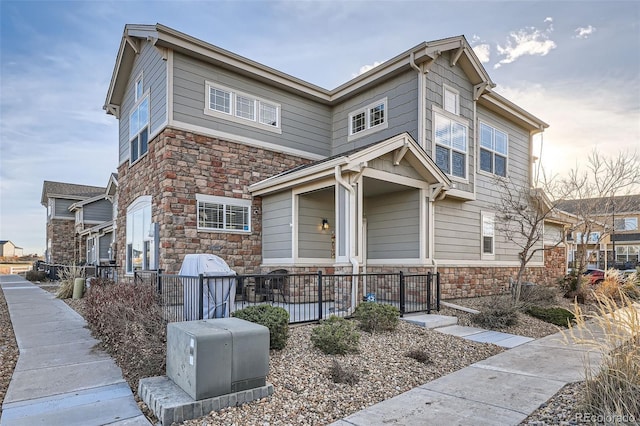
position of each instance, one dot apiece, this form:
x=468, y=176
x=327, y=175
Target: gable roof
x=421, y=55
x=69, y=191
x=354, y=161
x=603, y=205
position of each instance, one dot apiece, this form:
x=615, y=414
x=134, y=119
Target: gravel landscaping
x=8, y=349
x=305, y=394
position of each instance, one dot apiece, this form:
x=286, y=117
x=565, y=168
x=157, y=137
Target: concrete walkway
x=448, y=325
x=60, y=379
x=501, y=390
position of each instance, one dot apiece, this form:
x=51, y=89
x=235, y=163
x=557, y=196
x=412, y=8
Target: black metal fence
x=307, y=297
x=53, y=271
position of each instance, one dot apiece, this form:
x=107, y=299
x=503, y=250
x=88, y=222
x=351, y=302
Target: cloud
x=366, y=68
x=580, y=121
x=548, y=19
x=483, y=52
x=584, y=32
x=527, y=41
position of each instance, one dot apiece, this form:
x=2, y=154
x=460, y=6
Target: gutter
x=412, y=62
x=354, y=261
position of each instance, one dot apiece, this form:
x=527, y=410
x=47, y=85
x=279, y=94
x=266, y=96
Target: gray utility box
x=214, y=357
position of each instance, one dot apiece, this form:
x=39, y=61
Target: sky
x=575, y=65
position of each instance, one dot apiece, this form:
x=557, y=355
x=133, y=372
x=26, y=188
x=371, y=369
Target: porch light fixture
x=325, y=224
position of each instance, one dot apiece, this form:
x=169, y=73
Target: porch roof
x=403, y=146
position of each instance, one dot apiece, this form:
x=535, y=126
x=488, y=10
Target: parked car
x=596, y=276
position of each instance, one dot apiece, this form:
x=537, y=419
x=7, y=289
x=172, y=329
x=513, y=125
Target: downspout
x=412, y=62
x=354, y=261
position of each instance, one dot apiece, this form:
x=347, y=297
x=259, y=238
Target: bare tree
x=521, y=213
x=594, y=194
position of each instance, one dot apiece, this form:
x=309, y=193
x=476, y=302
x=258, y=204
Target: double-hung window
x=626, y=224
x=242, y=107
x=369, y=119
x=139, y=122
x=140, y=236
x=627, y=254
x=451, y=145
x=223, y=214
x=493, y=150
x=488, y=234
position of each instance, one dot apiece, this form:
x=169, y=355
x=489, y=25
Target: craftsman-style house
x=79, y=222
x=394, y=169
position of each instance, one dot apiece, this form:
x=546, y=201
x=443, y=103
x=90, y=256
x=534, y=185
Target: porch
x=307, y=297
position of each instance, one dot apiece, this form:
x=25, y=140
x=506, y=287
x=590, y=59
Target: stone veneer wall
x=181, y=164
x=62, y=233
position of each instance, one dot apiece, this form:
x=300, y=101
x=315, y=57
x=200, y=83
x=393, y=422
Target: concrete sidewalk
x=501, y=390
x=60, y=379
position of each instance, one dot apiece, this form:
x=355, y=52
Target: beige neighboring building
x=8, y=249
x=614, y=240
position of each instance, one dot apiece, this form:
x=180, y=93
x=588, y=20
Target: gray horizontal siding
x=103, y=245
x=393, y=226
x=276, y=228
x=154, y=69
x=313, y=242
x=402, y=112
x=100, y=210
x=458, y=233
x=518, y=160
x=385, y=164
x=305, y=124
x=62, y=207
x=441, y=74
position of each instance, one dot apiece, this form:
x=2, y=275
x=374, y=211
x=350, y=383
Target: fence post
x=320, y=312
x=159, y=281
x=429, y=292
x=135, y=277
x=438, y=291
x=402, y=295
x=200, y=296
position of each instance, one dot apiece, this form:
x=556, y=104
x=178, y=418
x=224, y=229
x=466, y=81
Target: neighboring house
x=73, y=211
x=613, y=239
x=8, y=249
x=392, y=170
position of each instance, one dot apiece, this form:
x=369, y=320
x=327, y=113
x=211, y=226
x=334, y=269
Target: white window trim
x=145, y=95
x=139, y=79
x=487, y=256
x=461, y=120
x=493, y=152
x=625, y=219
x=225, y=201
x=446, y=89
x=140, y=203
x=231, y=116
x=368, y=128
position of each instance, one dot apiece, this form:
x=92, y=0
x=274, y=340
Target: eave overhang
x=504, y=107
x=164, y=37
x=402, y=144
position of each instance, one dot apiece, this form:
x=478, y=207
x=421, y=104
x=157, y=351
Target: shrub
x=67, y=275
x=420, y=355
x=570, y=282
x=496, y=318
x=335, y=336
x=557, y=316
x=35, y=275
x=274, y=318
x=341, y=375
x=375, y=317
x=612, y=390
x=128, y=320
x=537, y=295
